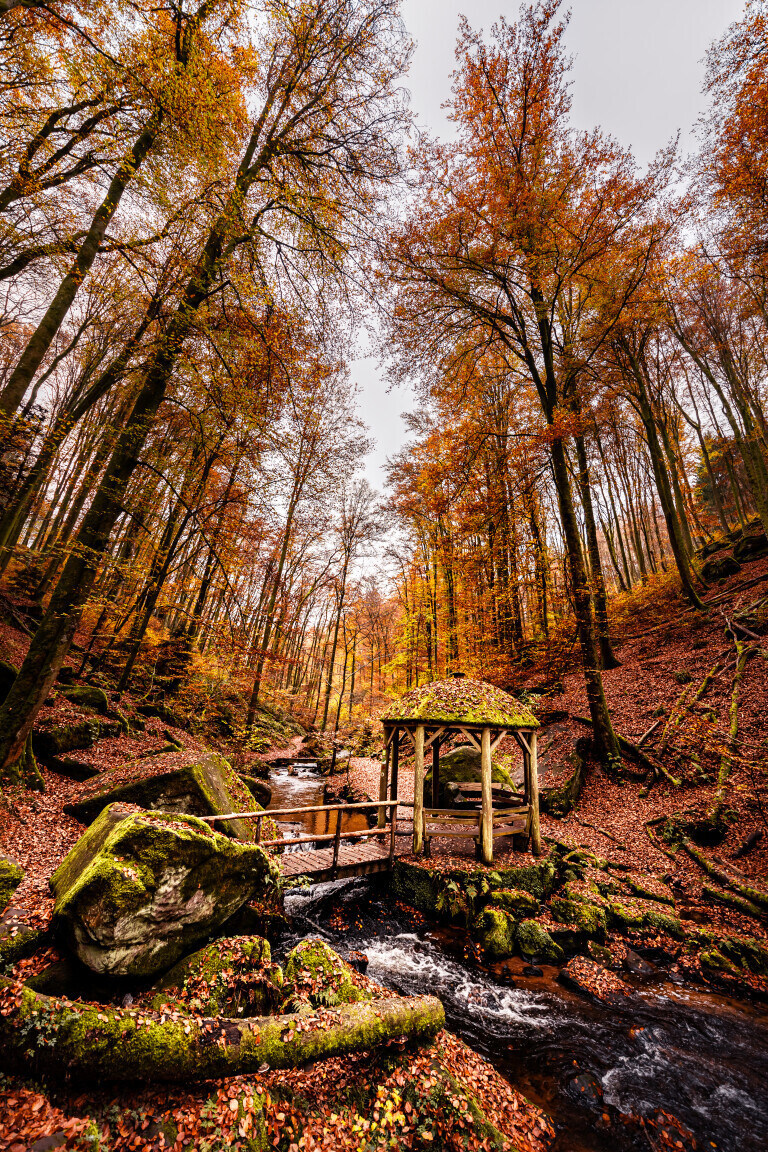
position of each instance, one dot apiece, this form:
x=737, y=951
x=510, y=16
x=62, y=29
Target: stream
x=699, y=1056
x=301, y=786
x=594, y=1069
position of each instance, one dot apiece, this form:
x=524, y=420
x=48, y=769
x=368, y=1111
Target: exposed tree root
x=43, y=1034
x=746, y=907
x=602, y=831
x=751, y=895
x=637, y=754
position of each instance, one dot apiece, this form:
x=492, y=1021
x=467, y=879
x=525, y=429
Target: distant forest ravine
x=207, y=207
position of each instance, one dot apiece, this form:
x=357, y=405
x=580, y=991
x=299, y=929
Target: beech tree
x=318, y=154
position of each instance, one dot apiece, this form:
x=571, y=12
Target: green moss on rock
x=204, y=786
x=139, y=890
x=624, y=916
x=87, y=697
x=516, y=901
x=462, y=766
x=232, y=976
x=589, y=918
x=462, y=701
x=316, y=975
x=495, y=930
x=11, y=875
x=660, y=922
x=534, y=942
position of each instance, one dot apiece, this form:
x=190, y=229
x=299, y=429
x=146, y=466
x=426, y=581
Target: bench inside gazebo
x=428, y=716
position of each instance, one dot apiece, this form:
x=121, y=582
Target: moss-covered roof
x=461, y=701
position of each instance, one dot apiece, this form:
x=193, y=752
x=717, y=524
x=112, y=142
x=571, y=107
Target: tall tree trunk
x=607, y=657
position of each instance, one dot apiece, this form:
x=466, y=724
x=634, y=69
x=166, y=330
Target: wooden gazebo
x=483, y=715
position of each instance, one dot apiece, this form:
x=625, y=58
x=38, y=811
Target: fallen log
x=45, y=1034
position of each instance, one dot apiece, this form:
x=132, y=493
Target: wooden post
x=383, y=781
x=534, y=796
x=418, y=792
x=392, y=833
x=395, y=764
x=486, y=831
x=336, y=841
x=258, y=830
x=436, y=773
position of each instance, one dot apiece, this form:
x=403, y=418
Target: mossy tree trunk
x=41, y=1034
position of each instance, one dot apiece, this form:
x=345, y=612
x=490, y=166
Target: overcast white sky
x=638, y=72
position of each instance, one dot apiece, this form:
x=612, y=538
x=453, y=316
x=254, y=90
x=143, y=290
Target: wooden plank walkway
x=353, y=860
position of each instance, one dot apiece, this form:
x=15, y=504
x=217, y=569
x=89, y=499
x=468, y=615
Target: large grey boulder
x=141, y=889
x=462, y=766
x=198, y=784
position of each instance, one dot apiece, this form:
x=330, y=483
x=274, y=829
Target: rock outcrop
x=141, y=889
x=462, y=766
x=198, y=784
x=11, y=875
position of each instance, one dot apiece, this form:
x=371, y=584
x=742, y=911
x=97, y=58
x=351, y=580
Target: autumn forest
x=207, y=209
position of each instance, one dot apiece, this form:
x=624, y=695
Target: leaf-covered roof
x=461, y=701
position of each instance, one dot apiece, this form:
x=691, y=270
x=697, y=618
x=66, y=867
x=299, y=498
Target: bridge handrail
x=314, y=808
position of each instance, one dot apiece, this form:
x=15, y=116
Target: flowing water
x=594, y=1069
x=300, y=786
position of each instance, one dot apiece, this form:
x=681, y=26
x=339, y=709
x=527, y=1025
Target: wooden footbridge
x=351, y=853
x=362, y=852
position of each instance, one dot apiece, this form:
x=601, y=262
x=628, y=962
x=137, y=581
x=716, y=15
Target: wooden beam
x=486, y=836
x=383, y=781
x=418, y=792
x=534, y=798
x=498, y=740
x=393, y=781
x=436, y=772
x=471, y=737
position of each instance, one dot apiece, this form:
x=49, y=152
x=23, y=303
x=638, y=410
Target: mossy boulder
x=198, y=785
x=495, y=930
x=624, y=916
x=747, y=952
x=233, y=976
x=259, y=789
x=316, y=975
x=589, y=918
x=561, y=799
x=11, y=875
x=535, y=943
x=462, y=766
x=87, y=696
x=751, y=547
x=662, y=922
x=140, y=889
x=538, y=878
x=58, y=739
x=516, y=901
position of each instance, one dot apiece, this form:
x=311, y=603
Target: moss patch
x=495, y=930
x=535, y=943
x=11, y=875
x=316, y=975
x=461, y=701
x=204, y=786
x=233, y=976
